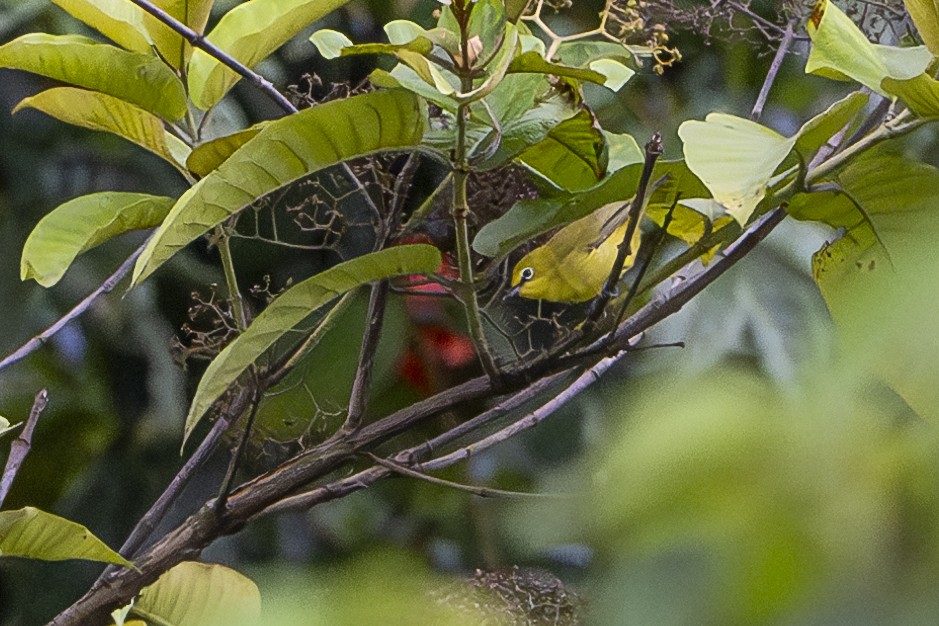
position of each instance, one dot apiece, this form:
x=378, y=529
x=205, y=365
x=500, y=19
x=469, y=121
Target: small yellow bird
x=575, y=263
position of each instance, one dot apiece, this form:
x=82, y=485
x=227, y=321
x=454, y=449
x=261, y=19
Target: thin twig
x=305, y=500
x=358, y=400
x=531, y=420
x=770, y=79
x=233, y=464
x=483, y=492
x=22, y=444
x=652, y=153
x=106, y=287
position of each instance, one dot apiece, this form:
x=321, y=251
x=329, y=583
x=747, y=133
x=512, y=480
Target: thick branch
x=200, y=529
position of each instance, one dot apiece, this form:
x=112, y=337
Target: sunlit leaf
x=140, y=79
x=83, y=223
x=330, y=43
x=35, y=534
x=5, y=426
x=573, y=156
x=295, y=304
x=200, y=594
x=118, y=20
x=615, y=74
x=285, y=150
x=170, y=44
x=98, y=111
x=249, y=33
x=623, y=150
x=841, y=51
x=735, y=158
x=925, y=14
x=209, y=155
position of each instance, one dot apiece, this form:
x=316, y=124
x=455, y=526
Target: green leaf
x=573, y=156
x=615, y=74
x=925, y=14
x=818, y=130
x=527, y=108
x=487, y=23
x=35, y=534
x=841, y=51
x=874, y=276
x=735, y=158
x=285, y=150
x=529, y=218
x=293, y=306
x=623, y=150
x=141, y=79
x=98, y=111
x=119, y=20
x=582, y=53
x=207, y=156
x=921, y=94
x=249, y=33
x=533, y=62
x=170, y=44
x=5, y=426
x=83, y=223
x=197, y=594
x=330, y=43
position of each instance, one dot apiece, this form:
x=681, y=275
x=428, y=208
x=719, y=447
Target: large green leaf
x=209, y=155
x=735, y=158
x=83, y=223
x=98, y=111
x=170, y=44
x=141, y=79
x=925, y=14
x=118, y=20
x=285, y=150
x=35, y=534
x=888, y=213
x=573, y=156
x=249, y=33
x=293, y=306
x=530, y=218
x=200, y=594
x=841, y=51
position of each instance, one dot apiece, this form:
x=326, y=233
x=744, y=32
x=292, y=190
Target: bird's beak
x=511, y=293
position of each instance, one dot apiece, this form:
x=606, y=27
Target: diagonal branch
x=22, y=444
x=106, y=287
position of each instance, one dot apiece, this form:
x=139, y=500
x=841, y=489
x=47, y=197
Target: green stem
x=231, y=280
x=460, y=210
x=894, y=128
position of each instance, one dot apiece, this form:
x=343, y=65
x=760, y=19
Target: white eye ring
x=527, y=273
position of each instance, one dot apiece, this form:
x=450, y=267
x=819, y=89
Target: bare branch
x=483, y=492
x=22, y=444
x=770, y=79
x=358, y=399
x=106, y=287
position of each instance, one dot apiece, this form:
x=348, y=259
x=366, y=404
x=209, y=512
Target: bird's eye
x=527, y=273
